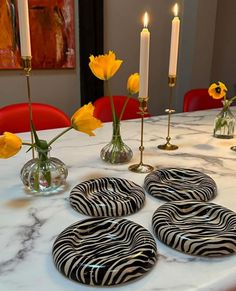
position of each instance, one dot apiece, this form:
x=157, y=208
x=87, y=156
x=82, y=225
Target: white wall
x=123, y=23
x=60, y=88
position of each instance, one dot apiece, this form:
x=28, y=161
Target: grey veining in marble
x=29, y=225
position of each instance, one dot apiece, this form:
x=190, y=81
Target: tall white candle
x=144, y=59
x=23, y=13
x=174, y=43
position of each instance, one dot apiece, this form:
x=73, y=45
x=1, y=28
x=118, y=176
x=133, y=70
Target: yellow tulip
x=133, y=84
x=104, y=66
x=10, y=144
x=84, y=121
x=217, y=90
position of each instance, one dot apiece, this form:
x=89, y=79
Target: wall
x=123, y=23
x=197, y=65
x=224, y=57
x=196, y=47
x=60, y=88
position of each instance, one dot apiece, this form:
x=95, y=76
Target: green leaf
x=42, y=144
x=47, y=176
x=221, y=122
x=36, y=179
x=29, y=149
x=34, y=132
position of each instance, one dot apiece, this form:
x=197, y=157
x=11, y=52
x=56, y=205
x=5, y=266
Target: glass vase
x=116, y=151
x=224, y=124
x=44, y=174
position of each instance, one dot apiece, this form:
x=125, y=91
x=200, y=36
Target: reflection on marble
x=29, y=225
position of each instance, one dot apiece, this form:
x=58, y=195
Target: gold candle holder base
x=141, y=168
x=168, y=146
x=233, y=148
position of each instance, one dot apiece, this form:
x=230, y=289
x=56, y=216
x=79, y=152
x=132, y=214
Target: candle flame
x=145, y=19
x=176, y=9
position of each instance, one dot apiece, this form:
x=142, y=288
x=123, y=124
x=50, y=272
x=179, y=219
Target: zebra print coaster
x=196, y=228
x=172, y=184
x=107, y=197
x=104, y=251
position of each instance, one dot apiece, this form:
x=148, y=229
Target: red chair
x=103, y=110
x=199, y=99
x=15, y=118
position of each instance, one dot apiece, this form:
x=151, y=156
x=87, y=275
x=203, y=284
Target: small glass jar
x=116, y=151
x=45, y=174
x=224, y=123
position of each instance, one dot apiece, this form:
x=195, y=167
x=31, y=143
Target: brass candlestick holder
x=141, y=168
x=26, y=62
x=168, y=146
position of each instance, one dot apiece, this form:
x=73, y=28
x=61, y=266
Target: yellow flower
x=133, y=84
x=10, y=144
x=84, y=121
x=217, y=90
x=104, y=66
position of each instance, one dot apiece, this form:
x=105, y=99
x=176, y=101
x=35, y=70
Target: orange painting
x=51, y=31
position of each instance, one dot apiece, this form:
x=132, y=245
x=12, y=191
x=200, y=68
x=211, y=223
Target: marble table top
x=29, y=225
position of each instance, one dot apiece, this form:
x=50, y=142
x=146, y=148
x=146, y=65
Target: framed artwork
x=52, y=34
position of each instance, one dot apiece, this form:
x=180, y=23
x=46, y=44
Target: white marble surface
x=29, y=225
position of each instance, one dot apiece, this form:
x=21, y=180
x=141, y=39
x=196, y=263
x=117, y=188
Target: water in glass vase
x=224, y=124
x=44, y=175
x=116, y=151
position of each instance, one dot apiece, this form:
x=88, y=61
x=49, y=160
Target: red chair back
x=199, y=99
x=15, y=118
x=103, y=108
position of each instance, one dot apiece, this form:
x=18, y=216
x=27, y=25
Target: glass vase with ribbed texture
x=224, y=123
x=116, y=151
x=44, y=175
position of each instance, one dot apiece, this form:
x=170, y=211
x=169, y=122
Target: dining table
x=30, y=223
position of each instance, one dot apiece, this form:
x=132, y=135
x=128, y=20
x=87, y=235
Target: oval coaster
x=196, y=228
x=172, y=184
x=103, y=251
x=107, y=197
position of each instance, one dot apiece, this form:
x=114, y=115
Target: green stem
x=59, y=135
x=224, y=97
x=228, y=102
x=123, y=108
x=27, y=143
x=232, y=99
x=117, y=143
x=113, y=110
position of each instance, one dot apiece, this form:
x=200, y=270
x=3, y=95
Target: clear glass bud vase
x=116, y=152
x=224, y=124
x=45, y=174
